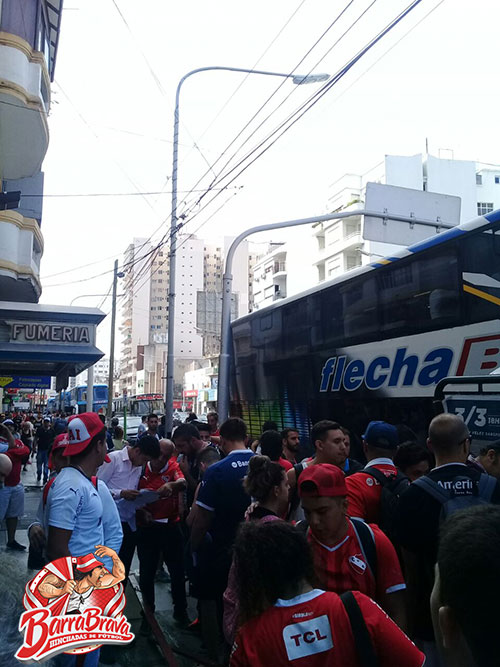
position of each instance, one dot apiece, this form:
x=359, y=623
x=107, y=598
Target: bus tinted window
x=481, y=275
x=419, y=295
x=359, y=307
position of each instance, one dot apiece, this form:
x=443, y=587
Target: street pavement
x=144, y=651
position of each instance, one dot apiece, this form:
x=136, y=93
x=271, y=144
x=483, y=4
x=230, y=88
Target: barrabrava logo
x=74, y=605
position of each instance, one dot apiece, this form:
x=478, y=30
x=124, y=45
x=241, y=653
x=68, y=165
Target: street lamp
x=298, y=80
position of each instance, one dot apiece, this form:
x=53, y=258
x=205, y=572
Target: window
x=484, y=207
x=421, y=294
x=479, y=179
x=497, y=179
x=481, y=270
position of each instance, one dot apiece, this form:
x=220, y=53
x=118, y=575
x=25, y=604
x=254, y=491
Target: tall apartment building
x=209, y=299
x=145, y=314
x=29, y=34
x=136, y=286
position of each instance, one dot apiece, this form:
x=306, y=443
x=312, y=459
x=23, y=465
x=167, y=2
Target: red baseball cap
x=81, y=429
x=325, y=480
x=60, y=442
x=86, y=563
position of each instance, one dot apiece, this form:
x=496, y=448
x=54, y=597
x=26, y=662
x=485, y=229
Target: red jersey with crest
x=363, y=491
x=165, y=508
x=313, y=630
x=344, y=567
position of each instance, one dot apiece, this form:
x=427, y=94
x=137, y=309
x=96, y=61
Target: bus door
x=477, y=400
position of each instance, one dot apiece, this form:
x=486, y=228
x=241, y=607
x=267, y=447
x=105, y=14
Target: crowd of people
x=324, y=560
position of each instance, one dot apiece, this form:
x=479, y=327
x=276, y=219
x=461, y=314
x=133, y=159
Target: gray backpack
x=451, y=501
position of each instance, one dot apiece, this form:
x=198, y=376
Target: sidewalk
x=143, y=651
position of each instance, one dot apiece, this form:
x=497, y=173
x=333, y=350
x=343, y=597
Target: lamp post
x=298, y=80
x=111, y=375
x=227, y=284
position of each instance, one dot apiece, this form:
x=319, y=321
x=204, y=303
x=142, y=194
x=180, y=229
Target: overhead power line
x=287, y=124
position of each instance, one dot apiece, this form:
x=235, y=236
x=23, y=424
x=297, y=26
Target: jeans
x=42, y=461
x=127, y=549
x=153, y=541
x=86, y=660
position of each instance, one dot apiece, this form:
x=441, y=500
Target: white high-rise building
x=134, y=328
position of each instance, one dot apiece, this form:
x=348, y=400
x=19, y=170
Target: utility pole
x=90, y=389
x=111, y=378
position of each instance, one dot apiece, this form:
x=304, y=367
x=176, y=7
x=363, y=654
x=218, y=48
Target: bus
x=76, y=399
x=374, y=342
x=137, y=407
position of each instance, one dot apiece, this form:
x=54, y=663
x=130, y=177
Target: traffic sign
x=481, y=415
x=25, y=382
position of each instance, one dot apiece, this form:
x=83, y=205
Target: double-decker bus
x=373, y=343
x=76, y=399
x=137, y=406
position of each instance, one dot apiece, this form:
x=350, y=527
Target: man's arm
x=53, y=587
x=117, y=573
x=201, y=525
x=5, y=433
x=171, y=488
x=105, y=474
x=190, y=480
x=58, y=543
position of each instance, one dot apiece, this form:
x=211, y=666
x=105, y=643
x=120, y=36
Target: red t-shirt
x=343, y=567
x=165, y=508
x=284, y=463
x=363, y=491
x=16, y=455
x=313, y=630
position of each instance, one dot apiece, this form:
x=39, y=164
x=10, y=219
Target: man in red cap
x=349, y=554
x=75, y=511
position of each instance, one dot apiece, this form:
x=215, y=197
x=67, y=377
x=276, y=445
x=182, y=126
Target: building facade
x=29, y=35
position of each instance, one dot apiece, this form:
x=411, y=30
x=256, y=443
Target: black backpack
x=392, y=488
x=451, y=501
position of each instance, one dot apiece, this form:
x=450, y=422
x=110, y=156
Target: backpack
x=450, y=501
x=362, y=640
x=392, y=488
x=366, y=540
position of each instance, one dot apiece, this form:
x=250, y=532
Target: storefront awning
x=36, y=339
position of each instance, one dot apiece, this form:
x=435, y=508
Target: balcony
x=279, y=267
x=21, y=250
x=25, y=91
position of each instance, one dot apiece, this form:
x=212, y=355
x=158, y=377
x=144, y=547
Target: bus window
x=481, y=275
x=420, y=293
x=359, y=307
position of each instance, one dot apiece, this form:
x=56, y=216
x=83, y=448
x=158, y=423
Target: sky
x=111, y=122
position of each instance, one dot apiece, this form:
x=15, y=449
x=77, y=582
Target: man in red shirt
x=380, y=443
x=12, y=491
x=349, y=555
x=160, y=533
